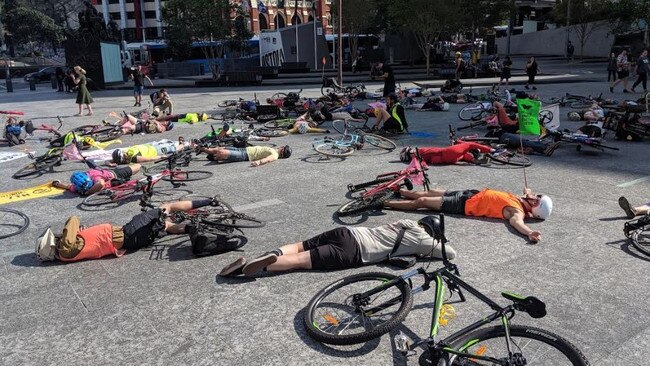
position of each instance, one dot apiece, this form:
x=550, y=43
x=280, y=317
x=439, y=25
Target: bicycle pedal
x=402, y=343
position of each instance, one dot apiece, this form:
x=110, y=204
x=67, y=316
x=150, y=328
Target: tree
x=426, y=19
x=358, y=16
x=208, y=22
x=62, y=11
x=584, y=17
x=28, y=26
x=479, y=15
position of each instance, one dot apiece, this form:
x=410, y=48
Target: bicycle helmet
x=458, y=53
x=433, y=227
x=544, y=208
x=46, y=246
x=303, y=127
x=445, y=106
x=405, y=154
x=285, y=152
x=118, y=156
x=574, y=116
x=81, y=181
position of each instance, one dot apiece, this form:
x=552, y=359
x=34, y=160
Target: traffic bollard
x=10, y=85
x=32, y=83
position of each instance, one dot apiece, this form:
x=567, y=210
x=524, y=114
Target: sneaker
x=481, y=159
x=551, y=148
x=135, y=104
x=259, y=263
x=234, y=268
x=625, y=205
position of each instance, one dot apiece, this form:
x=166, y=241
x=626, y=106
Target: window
x=130, y=15
x=113, y=1
x=150, y=14
x=149, y=1
x=115, y=16
x=151, y=33
x=129, y=1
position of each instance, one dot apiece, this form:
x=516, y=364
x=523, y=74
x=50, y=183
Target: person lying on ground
x=131, y=124
x=592, y=114
x=77, y=242
x=304, y=124
x=14, y=131
x=94, y=180
x=348, y=247
x=257, y=155
x=485, y=203
x=539, y=146
x=144, y=153
x=454, y=98
x=633, y=211
x=392, y=118
x=465, y=151
x=435, y=104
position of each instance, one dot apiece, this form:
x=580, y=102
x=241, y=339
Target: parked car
x=44, y=74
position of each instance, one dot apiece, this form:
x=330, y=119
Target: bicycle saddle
x=531, y=305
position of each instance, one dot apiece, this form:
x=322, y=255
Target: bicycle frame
x=348, y=140
x=394, y=184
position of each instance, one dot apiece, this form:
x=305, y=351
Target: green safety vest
x=393, y=113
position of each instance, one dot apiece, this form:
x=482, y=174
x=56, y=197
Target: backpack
x=212, y=240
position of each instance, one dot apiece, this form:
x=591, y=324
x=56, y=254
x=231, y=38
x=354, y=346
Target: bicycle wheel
x=177, y=176
x=233, y=219
x=339, y=125
x=537, y=346
x=379, y=141
x=278, y=96
x=108, y=196
x=41, y=165
x=227, y=103
x=552, y=100
x=12, y=222
x=511, y=158
x=335, y=316
x=334, y=149
x=279, y=123
x=362, y=204
x=641, y=241
x=471, y=112
x=265, y=132
x=107, y=134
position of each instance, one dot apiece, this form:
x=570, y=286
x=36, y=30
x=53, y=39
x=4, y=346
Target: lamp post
x=568, y=23
x=340, y=37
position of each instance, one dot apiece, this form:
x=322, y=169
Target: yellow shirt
x=145, y=150
x=261, y=152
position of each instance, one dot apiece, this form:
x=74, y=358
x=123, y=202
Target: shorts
x=623, y=74
x=138, y=89
x=334, y=249
x=453, y=202
x=164, y=147
x=122, y=174
x=143, y=229
x=392, y=125
x=236, y=154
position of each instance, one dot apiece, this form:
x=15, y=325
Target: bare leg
x=642, y=210
x=80, y=109
x=177, y=206
x=300, y=260
x=135, y=168
x=172, y=228
x=432, y=203
x=294, y=248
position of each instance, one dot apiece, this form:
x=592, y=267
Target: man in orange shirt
x=76, y=242
x=485, y=203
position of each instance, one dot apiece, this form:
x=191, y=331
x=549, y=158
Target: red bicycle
x=375, y=192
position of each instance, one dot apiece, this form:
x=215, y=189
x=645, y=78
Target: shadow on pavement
x=30, y=260
x=627, y=247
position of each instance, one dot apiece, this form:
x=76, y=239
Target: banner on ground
x=9, y=156
x=44, y=190
x=528, y=112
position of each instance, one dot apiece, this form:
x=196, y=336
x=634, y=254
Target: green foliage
x=29, y=25
x=358, y=17
x=480, y=15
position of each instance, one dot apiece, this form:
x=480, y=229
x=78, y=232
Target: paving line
x=633, y=182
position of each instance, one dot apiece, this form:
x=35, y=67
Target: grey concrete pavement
x=163, y=306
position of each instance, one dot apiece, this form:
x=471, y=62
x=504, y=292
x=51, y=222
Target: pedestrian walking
x=138, y=84
x=531, y=70
x=623, y=70
x=60, y=77
x=642, y=71
x=506, y=71
x=611, y=67
x=83, y=95
x=569, y=51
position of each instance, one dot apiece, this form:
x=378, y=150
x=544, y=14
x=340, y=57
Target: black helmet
x=286, y=152
x=433, y=227
x=392, y=96
x=118, y=156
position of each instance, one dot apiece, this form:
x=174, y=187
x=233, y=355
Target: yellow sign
x=44, y=190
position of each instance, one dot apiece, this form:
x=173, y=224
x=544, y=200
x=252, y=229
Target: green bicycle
x=365, y=306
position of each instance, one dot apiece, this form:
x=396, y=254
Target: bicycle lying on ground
x=349, y=142
x=574, y=101
x=628, y=125
x=12, y=222
x=330, y=85
x=374, y=193
x=362, y=307
x=501, y=155
x=638, y=231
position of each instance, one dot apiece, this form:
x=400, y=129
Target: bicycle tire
x=471, y=112
x=520, y=335
x=334, y=149
x=511, y=158
x=39, y=166
x=180, y=176
x=227, y=103
x=234, y=220
x=362, y=204
x=641, y=241
x=105, y=197
x=278, y=96
x=265, y=132
x=318, y=329
x=339, y=125
x=379, y=141
x=279, y=123
x=4, y=222
x=580, y=104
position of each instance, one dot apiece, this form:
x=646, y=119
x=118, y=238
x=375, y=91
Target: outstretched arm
x=517, y=222
x=266, y=160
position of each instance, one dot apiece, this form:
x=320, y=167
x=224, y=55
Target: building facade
x=140, y=20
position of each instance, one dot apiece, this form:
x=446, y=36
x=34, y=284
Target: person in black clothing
x=60, y=77
x=611, y=67
x=393, y=116
x=68, y=81
x=506, y=71
x=642, y=71
x=138, y=87
x=531, y=70
x=569, y=51
x=385, y=73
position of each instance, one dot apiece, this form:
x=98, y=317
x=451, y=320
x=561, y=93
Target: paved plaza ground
x=163, y=306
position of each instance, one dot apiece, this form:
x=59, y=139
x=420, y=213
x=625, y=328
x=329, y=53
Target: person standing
x=138, y=84
x=531, y=70
x=506, y=72
x=642, y=71
x=60, y=77
x=385, y=73
x=623, y=69
x=460, y=65
x=611, y=67
x=83, y=95
x=569, y=51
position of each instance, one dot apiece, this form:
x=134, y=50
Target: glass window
x=115, y=16
x=150, y=14
x=130, y=15
x=113, y=1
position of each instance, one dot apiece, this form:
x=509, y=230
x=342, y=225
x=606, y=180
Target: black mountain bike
x=362, y=307
x=638, y=231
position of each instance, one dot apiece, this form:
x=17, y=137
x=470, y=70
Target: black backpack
x=212, y=240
